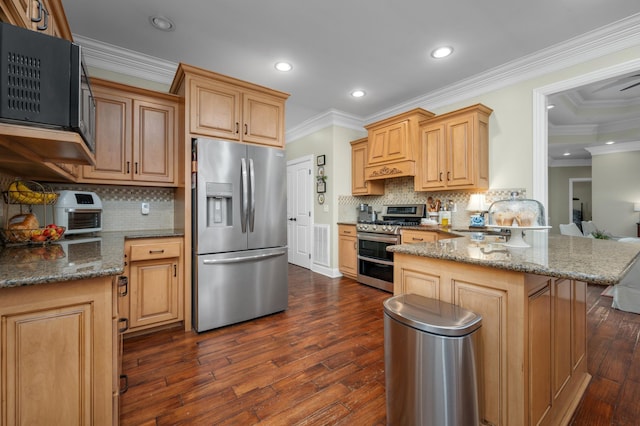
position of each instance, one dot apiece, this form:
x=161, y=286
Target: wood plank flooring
x=321, y=362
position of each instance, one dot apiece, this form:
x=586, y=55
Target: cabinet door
x=460, y=161
x=347, y=250
x=492, y=305
x=263, y=120
x=359, y=157
x=389, y=143
x=113, y=138
x=417, y=282
x=215, y=110
x=154, y=148
x=432, y=171
x=50, y=349
x=539, y=326
x=154, y=292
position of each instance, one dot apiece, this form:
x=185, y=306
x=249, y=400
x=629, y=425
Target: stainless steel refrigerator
x=239, y=232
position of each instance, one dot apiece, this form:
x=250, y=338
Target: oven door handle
x=378, y=238
x=369, y=259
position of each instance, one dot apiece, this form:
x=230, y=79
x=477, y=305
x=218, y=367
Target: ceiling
x=380, y=46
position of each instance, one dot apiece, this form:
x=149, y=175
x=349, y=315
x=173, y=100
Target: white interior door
x=299, y=203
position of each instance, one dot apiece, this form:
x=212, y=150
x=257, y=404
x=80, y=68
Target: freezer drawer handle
x=241, y=259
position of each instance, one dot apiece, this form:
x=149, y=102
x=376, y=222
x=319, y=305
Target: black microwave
x=43, y=82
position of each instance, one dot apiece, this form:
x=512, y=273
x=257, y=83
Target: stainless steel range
x=375, y=264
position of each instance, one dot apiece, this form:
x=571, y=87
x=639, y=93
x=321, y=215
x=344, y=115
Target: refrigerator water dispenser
x=219, y=197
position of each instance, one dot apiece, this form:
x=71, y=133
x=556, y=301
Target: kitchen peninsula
x=61, y=328
x=533, y=352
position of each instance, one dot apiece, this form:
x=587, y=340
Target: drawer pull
x=156, y=251
x=124, y=388
x=417, y=239
x=123, y=286
x=126, y=325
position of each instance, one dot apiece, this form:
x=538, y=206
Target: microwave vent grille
x=23, y=83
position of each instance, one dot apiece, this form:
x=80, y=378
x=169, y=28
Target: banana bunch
x=21, y=193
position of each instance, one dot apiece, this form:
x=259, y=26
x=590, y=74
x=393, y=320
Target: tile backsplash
x=400, y=191
x=121, y=205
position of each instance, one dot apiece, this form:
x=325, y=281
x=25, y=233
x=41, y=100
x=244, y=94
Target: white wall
x=333, y=143
x=616, y=187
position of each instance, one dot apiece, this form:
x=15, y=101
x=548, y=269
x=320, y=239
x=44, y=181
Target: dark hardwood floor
x=322, y=362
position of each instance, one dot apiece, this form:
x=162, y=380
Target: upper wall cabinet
x=136, y=136
x=393, y=145
x=359, y=157
x=454, y=151
x=46, y=16
x=224, y=107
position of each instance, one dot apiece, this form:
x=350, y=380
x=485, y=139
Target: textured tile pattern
x=400, y=191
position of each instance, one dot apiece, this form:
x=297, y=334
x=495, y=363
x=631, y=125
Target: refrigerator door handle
x=241, y=259
x=252, y=207
x=245, y=194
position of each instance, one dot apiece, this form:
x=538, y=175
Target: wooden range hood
x=393, y=145
x=39, y=153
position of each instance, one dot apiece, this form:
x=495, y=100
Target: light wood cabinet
x=393, y=145
x=453, y=151
x=156, y=291
x=348, y=251
x=224, y=107
x=532, y=339
x=57, y=351
x=46, y=16
x=416, y=236
x=359, y=158
x=136, y=136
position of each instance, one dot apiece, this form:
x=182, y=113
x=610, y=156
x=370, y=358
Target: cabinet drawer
x=347, y=230
x=410, y=236
x=160, y=250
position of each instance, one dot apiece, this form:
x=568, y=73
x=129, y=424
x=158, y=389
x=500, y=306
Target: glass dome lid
x=517, y=212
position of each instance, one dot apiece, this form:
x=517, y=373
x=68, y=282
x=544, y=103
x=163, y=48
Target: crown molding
x=332, y=117
x=570, y=163
x=615, y=148
x=108, y=57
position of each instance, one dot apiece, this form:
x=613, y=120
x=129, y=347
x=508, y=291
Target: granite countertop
x=71, y=258
x=585, y=259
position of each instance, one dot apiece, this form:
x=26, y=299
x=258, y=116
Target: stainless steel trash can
x=430, y=362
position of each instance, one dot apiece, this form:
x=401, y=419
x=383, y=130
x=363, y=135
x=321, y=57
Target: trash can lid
x=432, y=315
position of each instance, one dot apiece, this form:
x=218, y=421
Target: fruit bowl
x=34, y=236
x=29, y=192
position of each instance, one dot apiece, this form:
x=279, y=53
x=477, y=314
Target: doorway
x=540, y=121
x=299, y=211
x=579, y=200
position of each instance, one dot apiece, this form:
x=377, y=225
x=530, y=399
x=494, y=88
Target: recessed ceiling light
x=610, y=142
x=358, y=93
x=551, y=106
x=442, y=52
x=162, y=23
x=283, y=66
x=566, y=154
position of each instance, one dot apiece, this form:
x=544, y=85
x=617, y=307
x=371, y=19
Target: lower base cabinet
x=532, y=351
x=348, y=251
x=57, y=353
x=155, y=294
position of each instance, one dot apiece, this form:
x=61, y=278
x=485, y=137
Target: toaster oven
x=79, y=211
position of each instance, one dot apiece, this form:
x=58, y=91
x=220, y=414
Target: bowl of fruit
x=51, y=232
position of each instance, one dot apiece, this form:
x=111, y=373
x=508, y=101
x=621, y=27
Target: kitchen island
x=532, y=352
x=60, y=342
